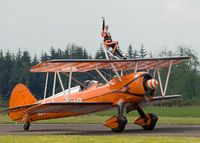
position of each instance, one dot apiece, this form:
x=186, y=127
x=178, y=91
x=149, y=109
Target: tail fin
x=20, y=97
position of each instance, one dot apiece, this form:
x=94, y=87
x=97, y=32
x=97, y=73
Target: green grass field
x=96, y=139
x=167, y=116
x=191, y=111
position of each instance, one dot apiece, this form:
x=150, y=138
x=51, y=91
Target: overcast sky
x=36, y=25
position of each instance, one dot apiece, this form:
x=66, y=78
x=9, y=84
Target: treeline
x=15, y=68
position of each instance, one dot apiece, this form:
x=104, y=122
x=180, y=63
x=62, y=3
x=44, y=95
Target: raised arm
x=103, y=26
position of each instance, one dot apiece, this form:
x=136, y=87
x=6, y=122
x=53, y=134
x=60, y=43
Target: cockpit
x=88, y=84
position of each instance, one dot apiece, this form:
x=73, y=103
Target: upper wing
x=78, y=108
x=80, y=65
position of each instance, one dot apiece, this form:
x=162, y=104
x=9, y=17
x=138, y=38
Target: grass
x=167, y=116
x=96, y=139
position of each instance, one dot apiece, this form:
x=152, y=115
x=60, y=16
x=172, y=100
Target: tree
x=8, y=63
x=37, y=80
x=150, y=55
x=130, y=52
x=44, y=57
x=100, y=54
x=135, y=54
x=166, y=53
x=74, y=51
x=1, y=76
x=143, y=52
x=52, y=53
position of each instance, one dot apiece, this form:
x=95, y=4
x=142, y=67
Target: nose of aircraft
x=152, y=84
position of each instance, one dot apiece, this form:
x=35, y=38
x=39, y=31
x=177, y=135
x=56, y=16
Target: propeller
x=150, y=86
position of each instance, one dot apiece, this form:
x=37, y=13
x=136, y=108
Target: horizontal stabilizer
x=16, y=109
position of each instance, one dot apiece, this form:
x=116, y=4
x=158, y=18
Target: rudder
x=20, y=96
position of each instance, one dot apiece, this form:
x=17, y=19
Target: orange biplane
x=131, y=86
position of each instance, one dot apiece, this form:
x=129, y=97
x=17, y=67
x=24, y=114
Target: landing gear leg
x=121, y=119
x=148, y=122
x=26, y=126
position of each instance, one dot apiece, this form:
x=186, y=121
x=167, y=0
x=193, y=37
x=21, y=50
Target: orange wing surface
x=55, y=110
x=65, y=107
x=77, y=65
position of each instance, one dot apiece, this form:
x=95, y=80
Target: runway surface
x=98, y=129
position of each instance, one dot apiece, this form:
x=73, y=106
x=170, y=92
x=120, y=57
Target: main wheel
x=152, y=125
x=26, y=126
x=122, y=121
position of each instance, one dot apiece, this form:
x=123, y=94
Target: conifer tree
x=130, y=52
x=143, y=52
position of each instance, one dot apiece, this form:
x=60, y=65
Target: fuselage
x=129, y=88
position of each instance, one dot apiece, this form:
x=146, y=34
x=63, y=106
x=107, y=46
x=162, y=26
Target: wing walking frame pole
x=160, y=82
x=168, y=75
x=45, y=89
x=54, y=86
x=69, y=84
x=101, y=75
x=113, y=55
x=117, y=74
x=106, y=53
x=61, y=84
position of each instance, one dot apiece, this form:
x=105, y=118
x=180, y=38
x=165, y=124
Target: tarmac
x=98, y=129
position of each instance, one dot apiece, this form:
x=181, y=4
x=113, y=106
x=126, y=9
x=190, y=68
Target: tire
x=122, y=121
x=26, y=126
x=152, y=125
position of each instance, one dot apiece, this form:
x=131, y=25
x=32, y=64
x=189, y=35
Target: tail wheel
x=152, y=125
x=27, y=126
x=122, y=121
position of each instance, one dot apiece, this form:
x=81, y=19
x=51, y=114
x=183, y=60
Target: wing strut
x=117, y=74
x=46, y=84
x=136, y=67
x=101, y=75
x=61, y=83
x=163, y=90
x=160, y=82
x=168, y=75
x=69, y=84
x=54, y=87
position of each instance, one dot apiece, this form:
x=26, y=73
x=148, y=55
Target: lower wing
x=65, y=107
x=163, y=99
